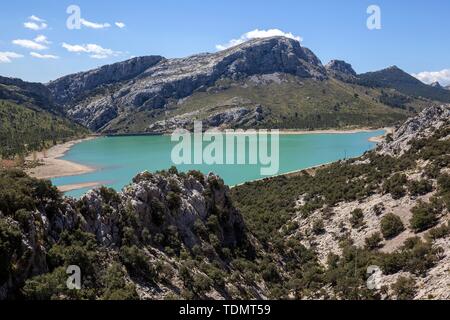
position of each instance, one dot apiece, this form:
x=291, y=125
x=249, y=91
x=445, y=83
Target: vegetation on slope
x=150, y=244
x=289, y=103
x=296, y=198
x=403, y=82
x=24, y=129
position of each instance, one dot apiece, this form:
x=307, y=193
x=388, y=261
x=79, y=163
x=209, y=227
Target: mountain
x=270, y=83
x=395, y=78
x=21, y=92
x=447, y=87
x=341, y=70
x=173, y=235
x=29, y=119
x=436, y=84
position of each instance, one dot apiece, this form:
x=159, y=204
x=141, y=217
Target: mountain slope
x=390, y=209
x=403, y=82
x=152, y=88
x=29, y=120
x=272, y=82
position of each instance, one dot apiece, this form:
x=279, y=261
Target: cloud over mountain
x=429, y=77
x=255, y=34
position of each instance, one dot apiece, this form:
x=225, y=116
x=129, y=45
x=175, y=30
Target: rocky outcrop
x=149, y=83
x=241, y=117
x=162, y=201
x=341, y=70
x=419, y=127
x=155, y=211
x=72, y=88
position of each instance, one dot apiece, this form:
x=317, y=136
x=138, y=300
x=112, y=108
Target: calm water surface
x=119, y=159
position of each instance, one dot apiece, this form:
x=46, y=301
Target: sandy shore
x=54, y=167
x=332, y=131
x=381, y=138
x=77, y=186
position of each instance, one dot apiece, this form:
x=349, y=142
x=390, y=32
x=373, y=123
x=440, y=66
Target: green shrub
x=136, y=262
x=173, y=200
x=439, y=232
x=444, y=183
x=357, y=218
x=373, y=241
x=404, y=288
x=49, y=286
x=115, y=286
x=420, y=188
x=425, y=215
x=10, y=246
x=396, y=185
x=391, y=226
x=318, y=227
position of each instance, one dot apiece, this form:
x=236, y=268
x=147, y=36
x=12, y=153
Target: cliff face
x=154, y=219
x=97, y=97
x=420, y=127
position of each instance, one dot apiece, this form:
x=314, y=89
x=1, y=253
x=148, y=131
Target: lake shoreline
x=52, y=166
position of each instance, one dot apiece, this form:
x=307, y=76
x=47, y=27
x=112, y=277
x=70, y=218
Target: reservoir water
x=119, y=159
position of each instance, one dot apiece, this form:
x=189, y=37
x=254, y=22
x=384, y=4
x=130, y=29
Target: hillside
x=403, y=82
x=29, y=120
x=389, y=208
x=186, y=235
x=270, y=83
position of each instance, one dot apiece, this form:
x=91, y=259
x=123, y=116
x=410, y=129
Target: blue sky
x=414, y=34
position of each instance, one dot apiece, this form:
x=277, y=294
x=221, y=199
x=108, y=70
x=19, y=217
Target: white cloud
x=35, y=18
x=35, y=23
x=43, y=56
x=94, y=50
x=121, y=25
x=42, y=39
x=94, y=25
x=6, y=57
x=29, y=44
x=429, y=77
x=35, y=26
x=255, y=34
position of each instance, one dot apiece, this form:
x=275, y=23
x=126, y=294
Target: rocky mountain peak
x=436, y=84
x=421, y=126
x=340, y=69
x=97, y=97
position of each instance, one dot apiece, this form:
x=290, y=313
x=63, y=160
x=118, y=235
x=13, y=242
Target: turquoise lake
x=119, y=159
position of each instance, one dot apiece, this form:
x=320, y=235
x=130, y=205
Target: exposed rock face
x=422, y=126
x=340, y=70
x=68, y=89
x=171, y=207
x=160, y=201
x=233, y=117
x=148, y=83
